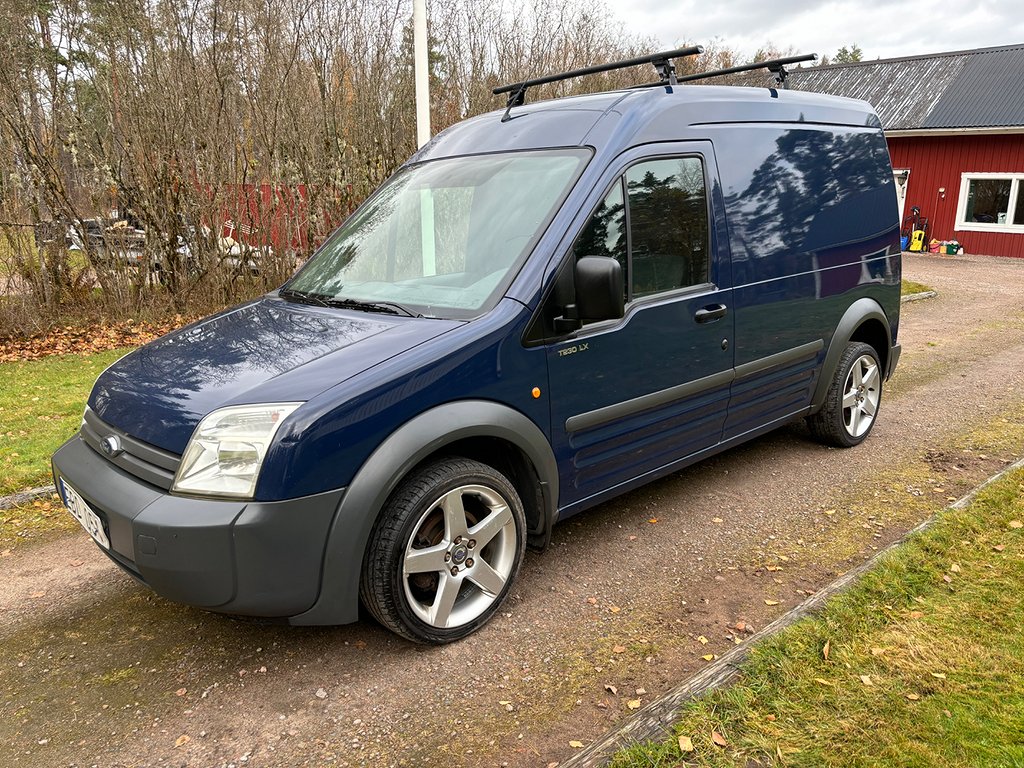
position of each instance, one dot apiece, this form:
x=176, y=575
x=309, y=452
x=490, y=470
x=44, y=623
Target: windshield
x=442, y=238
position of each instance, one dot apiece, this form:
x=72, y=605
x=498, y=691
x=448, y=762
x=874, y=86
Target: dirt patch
x=616, y=601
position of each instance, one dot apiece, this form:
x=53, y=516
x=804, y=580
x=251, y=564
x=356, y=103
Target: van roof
x=619, y=119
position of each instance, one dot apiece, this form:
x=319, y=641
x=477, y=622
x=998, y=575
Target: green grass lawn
x=41, y=404
x=919, y=664
x=908, y=287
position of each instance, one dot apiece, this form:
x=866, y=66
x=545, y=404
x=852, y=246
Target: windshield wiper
x=322, y=300
x=303, y=297
x=385, y=307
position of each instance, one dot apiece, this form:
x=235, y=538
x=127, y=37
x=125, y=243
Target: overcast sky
x=882, y=28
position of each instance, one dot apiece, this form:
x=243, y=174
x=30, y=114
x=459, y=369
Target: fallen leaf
x=913, y=696
x=611, y=689
x=954, y=568
x=826, y=649
x=653, y=520
x=180, y=692
x=770, y=718
x=182, y=740
x=739, y=626
x=719, y=739
x=866, y=679
x=947, y=713
x=618, y=649
x=613, y=609
x=708, y=657
x=771, y=602
x=633, y=703
x=1016, y=524
x=75, y=562
x=685, y=744
x=702, y=640
x=575, y=745
x=999, y=547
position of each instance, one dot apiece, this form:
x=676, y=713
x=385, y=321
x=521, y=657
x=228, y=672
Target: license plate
x=78, y=507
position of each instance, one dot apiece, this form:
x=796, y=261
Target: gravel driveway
x=630, y=598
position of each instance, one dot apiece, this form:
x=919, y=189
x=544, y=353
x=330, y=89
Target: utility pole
x=422, y=75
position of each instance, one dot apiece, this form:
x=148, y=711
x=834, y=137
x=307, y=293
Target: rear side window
x=654, y=221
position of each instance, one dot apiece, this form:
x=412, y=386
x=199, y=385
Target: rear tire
x=851, y=405
x=444, y=551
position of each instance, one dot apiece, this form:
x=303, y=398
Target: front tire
x=851, y=405
x=444, y=551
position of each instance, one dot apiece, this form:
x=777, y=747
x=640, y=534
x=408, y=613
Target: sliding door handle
x=710, y=313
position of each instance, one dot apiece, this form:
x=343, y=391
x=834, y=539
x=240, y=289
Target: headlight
x=225, y=453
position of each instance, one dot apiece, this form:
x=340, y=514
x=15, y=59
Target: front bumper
x=254, y=558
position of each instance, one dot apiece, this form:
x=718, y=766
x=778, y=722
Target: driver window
x=658, y=231
x=668, y=225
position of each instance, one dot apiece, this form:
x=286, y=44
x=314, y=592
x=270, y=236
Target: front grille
x=147, y=462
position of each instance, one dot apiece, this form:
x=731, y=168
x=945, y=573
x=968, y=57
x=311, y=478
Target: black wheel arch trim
x=377, y=478
x=856, y=315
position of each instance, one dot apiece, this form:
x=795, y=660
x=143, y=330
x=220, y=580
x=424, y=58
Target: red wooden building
x=955, y=125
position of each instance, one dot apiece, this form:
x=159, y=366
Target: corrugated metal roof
x=982, y=88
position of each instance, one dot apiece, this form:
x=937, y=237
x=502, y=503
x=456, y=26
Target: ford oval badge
x=111, y=446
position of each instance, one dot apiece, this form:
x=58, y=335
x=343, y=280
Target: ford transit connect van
x=542, y=309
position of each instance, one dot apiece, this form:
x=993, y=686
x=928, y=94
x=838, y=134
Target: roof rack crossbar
x=775, y=66
x=661, y=61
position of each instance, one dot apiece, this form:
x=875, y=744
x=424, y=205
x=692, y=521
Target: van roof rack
x=661, y=61
x=775, y=66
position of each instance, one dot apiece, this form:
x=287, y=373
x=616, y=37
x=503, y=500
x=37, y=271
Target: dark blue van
x=544, y=308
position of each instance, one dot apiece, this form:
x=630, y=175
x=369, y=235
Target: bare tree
x=198, y=150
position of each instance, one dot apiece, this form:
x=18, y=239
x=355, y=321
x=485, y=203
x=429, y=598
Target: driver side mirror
x=599, y=292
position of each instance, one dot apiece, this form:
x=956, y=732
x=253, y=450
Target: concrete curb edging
x=16, y=499
x=654, y=722
x=918, y=296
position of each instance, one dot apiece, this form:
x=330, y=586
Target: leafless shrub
x=196, y=151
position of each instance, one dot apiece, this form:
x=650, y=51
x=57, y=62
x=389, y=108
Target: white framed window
x=991, y=202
